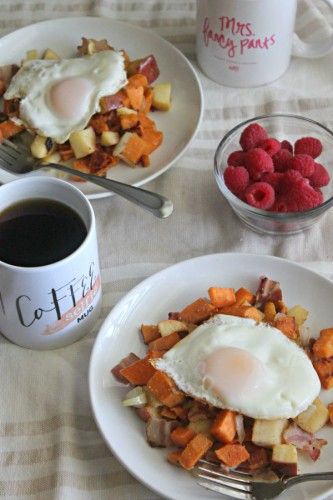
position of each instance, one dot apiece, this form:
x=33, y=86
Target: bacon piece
x=124, y=363
x=158, y=432
x=268, y=291
x=147, y=412
x=304, y=441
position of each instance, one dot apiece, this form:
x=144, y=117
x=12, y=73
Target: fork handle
x=155, y=203
x=320, y=476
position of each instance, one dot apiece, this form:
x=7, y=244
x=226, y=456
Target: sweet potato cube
x=268, y=433
x=244, y=295
x=139, y=372
x=224, y=426
x=130, y=148
x=173, y=457
x=284, y=459
x=9, y=129
x=149, y=333
x=135, y=95
x=220, y=297
x=253, y=313
x=180, y=436
x=200, y=310
x=164, y=389
x=287, y=325
x=194, y=450
x=164, y=343
x=323, y=347
x=232, y=455
x=324, y=369
x=313, y=418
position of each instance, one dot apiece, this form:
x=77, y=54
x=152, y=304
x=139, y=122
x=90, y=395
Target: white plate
x=179, y=125
x=150, y=301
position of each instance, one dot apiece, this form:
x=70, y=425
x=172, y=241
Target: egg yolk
x=69, y=98
x=231, y=370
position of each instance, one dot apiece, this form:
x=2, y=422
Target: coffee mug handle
x=315, y=49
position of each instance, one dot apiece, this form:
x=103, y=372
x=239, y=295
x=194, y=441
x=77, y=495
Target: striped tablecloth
x=49, y=444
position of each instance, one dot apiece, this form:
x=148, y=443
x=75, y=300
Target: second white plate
x=149, y=302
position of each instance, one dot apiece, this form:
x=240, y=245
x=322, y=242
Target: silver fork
x=248, y=486
x=17, y=160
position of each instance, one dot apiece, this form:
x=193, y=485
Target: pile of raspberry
x=276, y=176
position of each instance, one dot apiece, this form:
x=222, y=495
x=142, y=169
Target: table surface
x=49, y=444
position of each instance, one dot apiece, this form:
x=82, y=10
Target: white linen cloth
x=50, y=447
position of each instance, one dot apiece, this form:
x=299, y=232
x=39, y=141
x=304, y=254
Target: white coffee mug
x=245, y=43
x=51, y=305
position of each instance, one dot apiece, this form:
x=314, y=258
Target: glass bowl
x=282, y=127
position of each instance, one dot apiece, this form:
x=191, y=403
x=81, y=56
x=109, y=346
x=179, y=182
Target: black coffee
x=38, y=231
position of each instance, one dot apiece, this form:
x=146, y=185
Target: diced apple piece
x=268, y=432
x=284, y=459
x=52, y=158
x=146, y=66
x=41, y=146
x=313, y=418
x=162, y=96
x=83, y=142
x=31, y=54
x=299, y=313
x=168, y=326
x=130, y=148
x=50, y=54
x=109, y=138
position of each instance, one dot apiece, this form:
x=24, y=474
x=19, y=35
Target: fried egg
x=238, y=364
x=58, y=97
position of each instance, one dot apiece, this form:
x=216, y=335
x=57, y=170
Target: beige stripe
x=61, y=449
x=244, y=111
x=65, y=479
x=80, y=422
x=147, y=6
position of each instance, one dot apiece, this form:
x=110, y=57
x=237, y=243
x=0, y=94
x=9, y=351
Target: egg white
x=291, y=383
x=31, y=84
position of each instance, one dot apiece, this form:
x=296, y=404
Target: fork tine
x=7, y=157
x=225, y=490
x=242, y=475
x=225, y=481
x=230, y=476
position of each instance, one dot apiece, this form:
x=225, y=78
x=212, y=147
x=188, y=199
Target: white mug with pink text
x=245, y=43
x=48, y=305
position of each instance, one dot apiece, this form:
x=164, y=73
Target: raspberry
x=303, y=163
x=286, y=145
x=236, y=158
x=272, y=178
x=320, y=176
x=236, y=179
x=280, y=204
x=251, y=136
x=308, y=146
x=257, y=161
x=281, y=160
x=303, y=198
x=260, y=195
x=271, y=146
x=290, y=180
